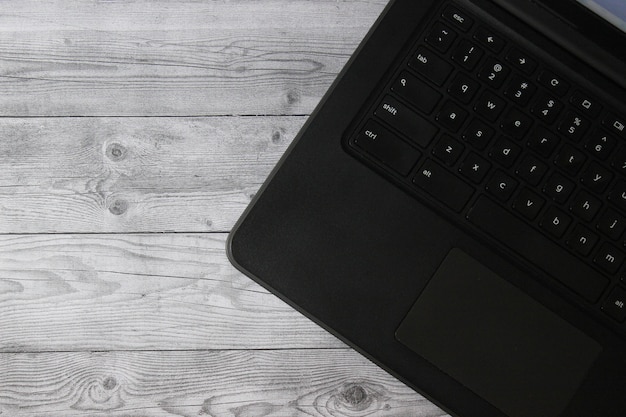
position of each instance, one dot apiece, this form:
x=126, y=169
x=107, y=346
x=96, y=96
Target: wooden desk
x=134, y=133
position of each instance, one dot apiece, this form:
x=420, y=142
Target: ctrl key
x=383, y=145
x=615, y=305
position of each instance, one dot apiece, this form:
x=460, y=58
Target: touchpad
x=496, y=340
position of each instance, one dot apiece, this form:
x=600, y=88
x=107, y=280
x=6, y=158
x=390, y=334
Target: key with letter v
x=528, y=204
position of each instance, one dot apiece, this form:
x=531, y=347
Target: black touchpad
x=496, y=340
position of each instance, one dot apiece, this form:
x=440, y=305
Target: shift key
x=416, y=128
x=387, y=147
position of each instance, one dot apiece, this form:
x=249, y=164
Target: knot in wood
x=293, y=97
x=116, y=152
x=99, y=395
x=355, y=395
x=118, y=207
x=109, y=383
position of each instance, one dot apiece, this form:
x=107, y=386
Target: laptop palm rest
x=496, y=340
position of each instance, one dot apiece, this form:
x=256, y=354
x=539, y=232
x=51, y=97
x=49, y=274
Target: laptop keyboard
x=511, y=146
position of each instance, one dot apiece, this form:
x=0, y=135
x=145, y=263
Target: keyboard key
x=443, y=186
x=467, y=55
x=609, y=258
x=570, y=159
x=478, y=134
x=475, y=168
x=538, y=249
x=429, y=65
x=490, y=106
x=458, y=18
x=616, y=125
x=532, y=170
x=615, y=304
x=528, y=204
x=582, y=240
x=588, y=105
x=618, y=195
x=554, y=83
x=585, y=206
x=452, y=116
x=501, y=186
x=416, y=92
x=601, y=145
x=441, y=37
x=596, y=177
x=415, y=127
x=489, y=39
x=448, y=150
x=558, y=187
x=547, y=108
x=521, y=60
x=520, y=90
x=555, y=222
x=387, y=148
x=494, y=72
x=463, y=88
x=543, y=142
x=516, y=124
x=505, y=152
x=573, y=126
x=612, y=224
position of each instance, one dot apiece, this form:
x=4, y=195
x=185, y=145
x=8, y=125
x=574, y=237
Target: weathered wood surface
x=174, y=57
x=126, y=174
x=335, y=382
x=129, y=130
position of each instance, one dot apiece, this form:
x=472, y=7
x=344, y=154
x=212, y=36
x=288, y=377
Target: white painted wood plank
x=93, y=175
x=294, y=383
x=174, y=58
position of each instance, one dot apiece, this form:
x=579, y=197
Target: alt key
x=615, y=305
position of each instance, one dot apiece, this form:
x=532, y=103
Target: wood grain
x=174, y=58
x=90, y=175
x=335, y=382
x=138, y=292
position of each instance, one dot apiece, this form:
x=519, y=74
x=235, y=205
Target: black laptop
x=455, y=208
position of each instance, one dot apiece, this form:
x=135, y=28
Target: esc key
x=458, y=18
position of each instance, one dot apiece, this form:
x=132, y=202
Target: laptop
x=455, y=207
